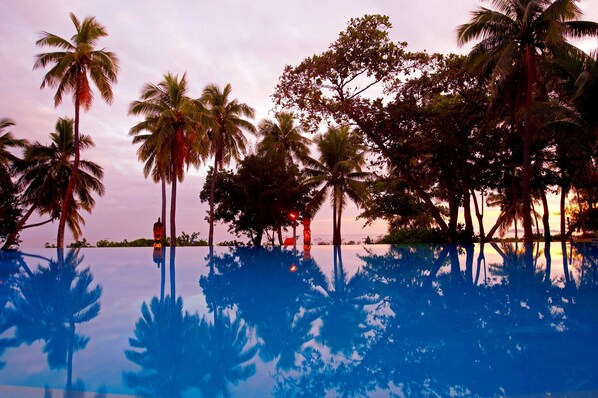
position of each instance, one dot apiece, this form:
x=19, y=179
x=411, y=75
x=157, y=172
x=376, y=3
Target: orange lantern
x=158, y=230
x=306, y=231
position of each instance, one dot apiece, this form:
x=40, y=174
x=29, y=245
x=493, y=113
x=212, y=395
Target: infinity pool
x=429, y=321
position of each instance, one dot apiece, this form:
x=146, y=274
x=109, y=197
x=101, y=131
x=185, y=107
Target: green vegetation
x=183, y=240
x=505, y=126
x=449, y=134
x=10, y=210
x=257, y=197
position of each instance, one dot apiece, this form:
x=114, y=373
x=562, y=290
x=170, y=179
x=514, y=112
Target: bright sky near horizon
x=246, y=44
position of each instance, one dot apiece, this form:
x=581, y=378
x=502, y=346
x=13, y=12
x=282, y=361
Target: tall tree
x=175, y=123
x=282, y=135
x=75, y=60
x=156, y=163
x=226, y=139
x=337, y=85
x=515, y=39
x=45, y=172
x=338, y=170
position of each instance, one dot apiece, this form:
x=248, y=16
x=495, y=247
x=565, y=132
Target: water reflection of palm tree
x=165, y=340
x=48, y=304
x=257, y=282
x=228, y=349
x=516, y=269
x=226, y=354
x=164, y=346
x=341, y=308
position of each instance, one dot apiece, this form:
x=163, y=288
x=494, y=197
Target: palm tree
x=8, y=141
x=175, y=123
x=514, y=41
x=226, y=139
x=70, y=67
x=510, y=213
x=45, y=173
x=282, y=136
x=155, y=163
x=338, y=169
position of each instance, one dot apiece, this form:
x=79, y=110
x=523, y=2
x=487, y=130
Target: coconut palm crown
x=283, y=136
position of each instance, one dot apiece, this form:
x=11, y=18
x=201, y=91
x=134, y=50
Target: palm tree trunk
x=212, y=194
x=527, y=147
x=13, y=236
x=73, y=178
x=453, y=216
x=279, y=232
x=581, y=211
x=479, y=214
x=564, y=192
x=536, y=219
x=163, y=178
x=21, y=225
x=334, y=219
x=498, y=222
x=37, y=224
x=338, y=227
x=173, y=213
x=467, y=213
x=545, y=217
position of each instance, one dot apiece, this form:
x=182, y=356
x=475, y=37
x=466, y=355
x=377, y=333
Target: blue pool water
x=430, y=321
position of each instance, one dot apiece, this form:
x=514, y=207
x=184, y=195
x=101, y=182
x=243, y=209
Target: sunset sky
x=246, y=44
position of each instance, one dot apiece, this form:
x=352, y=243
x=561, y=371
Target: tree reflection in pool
x=347, y=321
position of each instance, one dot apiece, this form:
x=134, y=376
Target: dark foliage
x=258, y=196
x=10, y=211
